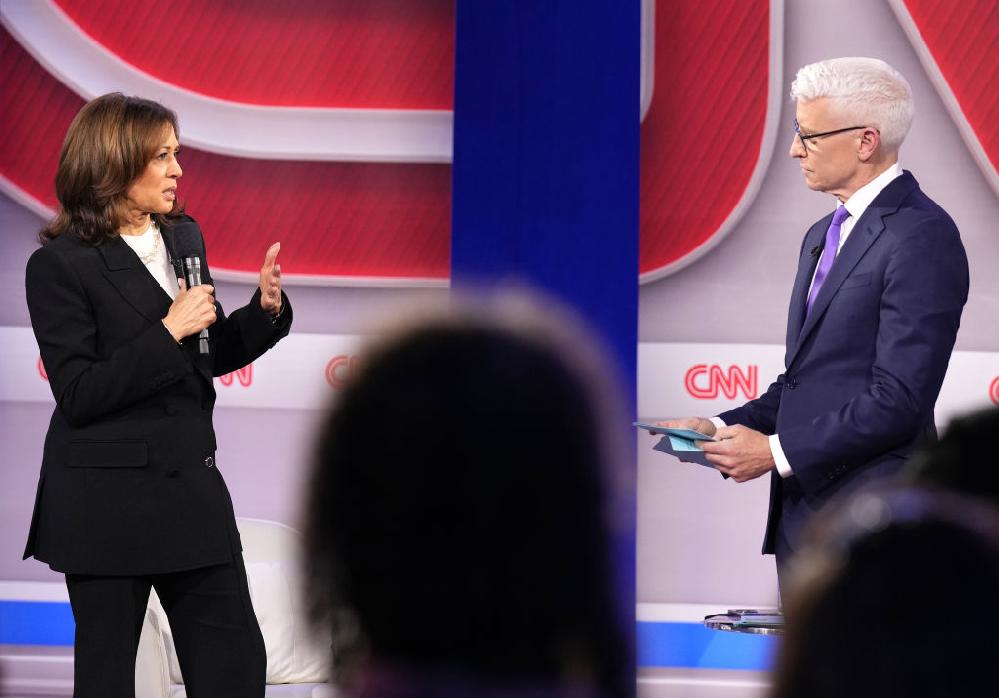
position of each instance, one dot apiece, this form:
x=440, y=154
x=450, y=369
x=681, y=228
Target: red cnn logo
x=41, y=370
x=340, y=369
x=705, y=382
x=244, y=375
x=994, y=390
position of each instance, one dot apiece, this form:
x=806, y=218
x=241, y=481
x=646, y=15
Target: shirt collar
x=863, y=197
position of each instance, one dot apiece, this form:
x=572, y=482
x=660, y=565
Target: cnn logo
x=706, y=381
x=994, y=390
x=340, y=369
x=243, y=375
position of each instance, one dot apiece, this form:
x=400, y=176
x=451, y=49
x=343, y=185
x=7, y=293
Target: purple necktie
x=828, y=255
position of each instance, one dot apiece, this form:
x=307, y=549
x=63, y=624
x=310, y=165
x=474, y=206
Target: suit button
x=210, y=461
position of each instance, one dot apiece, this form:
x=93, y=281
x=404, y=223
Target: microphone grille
x=186, y=238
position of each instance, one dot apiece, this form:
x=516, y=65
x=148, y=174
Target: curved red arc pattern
x=382, y=54
x=36, y=112
x=701, y=139
x=963, y=38
x=335, y=219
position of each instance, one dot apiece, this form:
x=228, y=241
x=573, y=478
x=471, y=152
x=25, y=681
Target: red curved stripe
x=351, y=219
x=341, y=219
x=700, y=145
x=389, y=54
x=963, y=38
x=34, y=117
x=701, y=138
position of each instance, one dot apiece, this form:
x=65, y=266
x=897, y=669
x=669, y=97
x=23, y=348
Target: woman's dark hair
x=108, y=146
x=897, y=595
x=460, y=504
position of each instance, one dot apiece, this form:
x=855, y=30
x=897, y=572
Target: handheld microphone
x=192, y=269
x=186, y=237
x=815, y=251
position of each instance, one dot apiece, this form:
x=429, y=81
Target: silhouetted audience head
x=897, y=594
x=964, y=459
x=461, y=508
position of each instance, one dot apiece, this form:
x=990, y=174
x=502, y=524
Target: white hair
x=867, y=90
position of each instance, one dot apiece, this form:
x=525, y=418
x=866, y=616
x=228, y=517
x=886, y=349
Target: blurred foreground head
x=897, y=594
x=964, y=459
x=461, y=507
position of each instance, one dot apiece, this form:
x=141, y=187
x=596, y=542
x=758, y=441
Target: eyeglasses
x=804, y=139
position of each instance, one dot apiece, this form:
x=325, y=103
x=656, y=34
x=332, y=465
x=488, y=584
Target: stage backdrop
x=327, y=126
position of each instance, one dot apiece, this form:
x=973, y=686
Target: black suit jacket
x=128, y=484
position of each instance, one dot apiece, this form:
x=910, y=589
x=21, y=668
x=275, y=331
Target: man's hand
x=705, y=426
x=270, y=281
x=742, y=454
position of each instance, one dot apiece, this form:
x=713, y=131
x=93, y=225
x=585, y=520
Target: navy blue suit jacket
x=864, y=368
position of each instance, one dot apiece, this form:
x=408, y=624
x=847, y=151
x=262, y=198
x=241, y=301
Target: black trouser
x=783, y=554
x=215, y=631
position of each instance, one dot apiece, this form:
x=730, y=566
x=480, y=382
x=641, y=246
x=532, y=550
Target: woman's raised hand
x=270, y=281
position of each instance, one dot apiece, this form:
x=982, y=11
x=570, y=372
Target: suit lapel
x=166, y=233
x=128, y=274
x=137, y=286
x=863, y=236
x=866, y=231
x=806, y=268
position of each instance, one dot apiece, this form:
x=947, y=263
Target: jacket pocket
x=856, y=280
x=126, y=453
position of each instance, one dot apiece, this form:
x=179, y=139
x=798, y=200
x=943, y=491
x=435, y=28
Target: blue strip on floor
x=682, y=645
x=36, y=623
x=691, y=645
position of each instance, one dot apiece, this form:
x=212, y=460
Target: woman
x=128, y=496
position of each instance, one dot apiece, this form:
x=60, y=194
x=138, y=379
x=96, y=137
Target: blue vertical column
x=546, y=163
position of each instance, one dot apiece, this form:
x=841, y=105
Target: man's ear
x=870, y=140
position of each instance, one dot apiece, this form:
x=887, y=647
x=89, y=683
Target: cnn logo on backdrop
x=243, y=375
x=707, y=381
x=340, y=369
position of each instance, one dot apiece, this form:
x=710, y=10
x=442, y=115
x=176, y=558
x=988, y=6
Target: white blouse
x=150, y=249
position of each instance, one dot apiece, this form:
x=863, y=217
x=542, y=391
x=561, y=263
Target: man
x=874, y=310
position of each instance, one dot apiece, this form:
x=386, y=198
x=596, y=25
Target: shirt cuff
x=718, y=422
x=780, y=460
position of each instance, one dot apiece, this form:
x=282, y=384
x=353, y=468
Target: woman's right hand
x=191, y=311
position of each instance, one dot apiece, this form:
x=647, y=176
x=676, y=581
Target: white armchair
x=298, y=662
